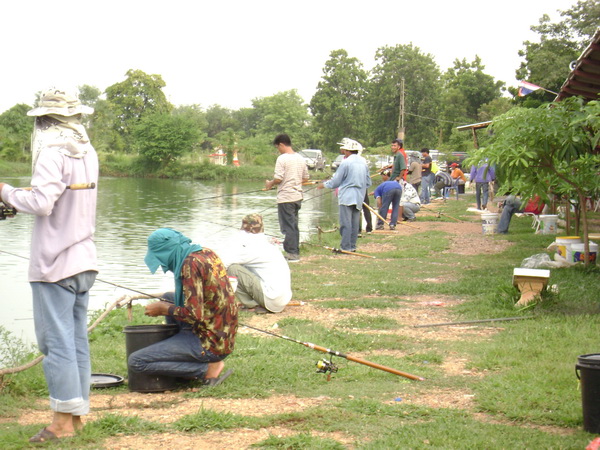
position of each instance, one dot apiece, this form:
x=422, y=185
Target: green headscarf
x=168, y=248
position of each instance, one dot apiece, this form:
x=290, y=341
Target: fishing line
x=97, y=279
x=214, y=197
x=323, y=366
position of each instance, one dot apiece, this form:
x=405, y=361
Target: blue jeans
x=427, y=182
x=288, y=224
x=60, y=319
x=180, y=356
x=482, y=189
x=511, y=206
x=391, y=197
x=349, y=224
x=409, y=210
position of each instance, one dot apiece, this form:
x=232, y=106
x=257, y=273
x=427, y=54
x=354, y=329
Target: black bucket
x=141, y=336
x=587, y=370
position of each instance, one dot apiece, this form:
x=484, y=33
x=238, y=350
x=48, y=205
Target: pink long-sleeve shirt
x=62, y=243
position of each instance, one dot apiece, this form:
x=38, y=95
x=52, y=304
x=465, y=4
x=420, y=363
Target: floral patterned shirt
x=210, y=305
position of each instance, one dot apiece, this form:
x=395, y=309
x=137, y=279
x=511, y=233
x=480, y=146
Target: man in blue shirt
x=388, y=193
x=352, y=178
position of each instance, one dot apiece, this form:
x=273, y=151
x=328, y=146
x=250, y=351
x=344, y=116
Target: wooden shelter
x=474, y=127
x=584, y=79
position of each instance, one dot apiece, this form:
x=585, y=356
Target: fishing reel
x=6, y=211
x=324, y=366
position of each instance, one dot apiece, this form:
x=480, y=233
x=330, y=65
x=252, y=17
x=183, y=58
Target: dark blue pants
x=288, y=224
x=391, y=197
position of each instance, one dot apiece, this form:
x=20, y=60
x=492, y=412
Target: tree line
x=134, y=117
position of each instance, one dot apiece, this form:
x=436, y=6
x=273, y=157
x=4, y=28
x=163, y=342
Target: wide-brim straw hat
x=59, y=102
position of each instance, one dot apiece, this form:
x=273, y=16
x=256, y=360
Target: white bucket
x=578, y=251
x=489, y=223
x=563, y=245
x=549, y=221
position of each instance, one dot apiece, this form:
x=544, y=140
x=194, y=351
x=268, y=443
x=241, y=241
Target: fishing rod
x=97, y=279
x=345, y=252
x=176, y=202
x=7, y=211
x=468, y=322
x=337, y=250
x=322, y=367
x=73, y=187
x=439, y=213
x=341, y=355
x=377, y=214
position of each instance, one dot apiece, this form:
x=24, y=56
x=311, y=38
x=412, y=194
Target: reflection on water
x=128, y=211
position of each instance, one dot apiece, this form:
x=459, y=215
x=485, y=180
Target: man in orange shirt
x=457, y=173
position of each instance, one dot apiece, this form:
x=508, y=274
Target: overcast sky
x=230, y=52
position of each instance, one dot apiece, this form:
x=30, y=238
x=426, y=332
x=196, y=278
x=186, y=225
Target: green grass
x=526, y=378
x=369, y=322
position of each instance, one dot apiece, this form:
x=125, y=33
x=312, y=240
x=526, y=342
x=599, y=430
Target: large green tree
x=582, y=19
x=219, y=119
x=547, y=62
x=15, y=133
x=138, y=95
x=284, y=112
x=475, y=86
x=422, y=89
x=338, y=105
x=162, y=138
x=467, y=93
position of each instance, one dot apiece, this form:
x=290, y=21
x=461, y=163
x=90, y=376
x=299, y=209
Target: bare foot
x=64, y=424
x=77, y=423
x=214, y=369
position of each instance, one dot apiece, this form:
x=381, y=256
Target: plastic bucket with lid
x=587, y=370
x=489, y=223
x=563, y=242
x=578, y=251
x=141, y=336
x=549, y=223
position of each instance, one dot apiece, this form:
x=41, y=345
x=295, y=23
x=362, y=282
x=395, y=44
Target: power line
x=431, y=118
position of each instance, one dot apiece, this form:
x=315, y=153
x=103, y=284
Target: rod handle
x=74, y=187
x=79, y=186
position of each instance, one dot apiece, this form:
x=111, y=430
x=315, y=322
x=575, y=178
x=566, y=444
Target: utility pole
x=401, y=115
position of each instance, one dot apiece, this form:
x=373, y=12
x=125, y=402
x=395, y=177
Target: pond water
x=129, y=210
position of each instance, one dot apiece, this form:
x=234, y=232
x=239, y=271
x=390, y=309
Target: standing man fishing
x=400, y=161
x=290, y=173
x=63, y=264
x=427, y=176
x=352, y=178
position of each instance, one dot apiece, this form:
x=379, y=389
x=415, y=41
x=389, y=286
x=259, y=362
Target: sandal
x=218, y=380
x=260, y=310
x=44, y=435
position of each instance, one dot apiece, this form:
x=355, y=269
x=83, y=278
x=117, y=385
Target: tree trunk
x=568, y=215
x=583, y=214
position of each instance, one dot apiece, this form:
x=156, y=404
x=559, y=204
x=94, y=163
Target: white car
x=379, y=161
x=314, y=158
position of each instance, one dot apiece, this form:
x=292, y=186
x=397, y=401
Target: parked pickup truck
x=314, y=158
